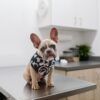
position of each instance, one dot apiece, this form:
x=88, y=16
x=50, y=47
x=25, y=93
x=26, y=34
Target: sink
x=5, y=95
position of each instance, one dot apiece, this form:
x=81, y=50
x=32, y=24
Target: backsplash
x=67, y=39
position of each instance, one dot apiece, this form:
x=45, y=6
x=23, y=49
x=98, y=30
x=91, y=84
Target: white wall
x=17, y=21
x=92, y=39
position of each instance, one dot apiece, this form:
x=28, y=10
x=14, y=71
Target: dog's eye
x=43, y=48
x=52, y=46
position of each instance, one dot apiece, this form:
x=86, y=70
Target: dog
x=43, y=61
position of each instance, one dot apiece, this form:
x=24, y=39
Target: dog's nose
x=49, y=51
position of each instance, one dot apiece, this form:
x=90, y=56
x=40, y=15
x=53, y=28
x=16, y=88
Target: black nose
x=49, y=51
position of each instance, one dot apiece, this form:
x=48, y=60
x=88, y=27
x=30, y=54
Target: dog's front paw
x=35, y=86
x=50, y=84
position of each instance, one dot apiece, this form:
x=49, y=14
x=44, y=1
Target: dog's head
x=46, y=48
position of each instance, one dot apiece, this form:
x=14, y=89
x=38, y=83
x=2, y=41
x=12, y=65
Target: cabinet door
x=63, y=13
x=91, y=75
x=87, y=13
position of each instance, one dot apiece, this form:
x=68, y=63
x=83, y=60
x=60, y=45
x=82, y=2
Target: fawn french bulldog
x=43, y=61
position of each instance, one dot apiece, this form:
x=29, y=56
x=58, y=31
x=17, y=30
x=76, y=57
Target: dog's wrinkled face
x=48, y=49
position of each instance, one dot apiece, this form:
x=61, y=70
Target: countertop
x=11, y=81
x=78, y=66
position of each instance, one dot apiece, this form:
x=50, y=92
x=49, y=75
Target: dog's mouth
x=49, y=55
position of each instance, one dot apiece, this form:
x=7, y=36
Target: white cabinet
x=69, y=14
x=86, y=13
x=63, y=13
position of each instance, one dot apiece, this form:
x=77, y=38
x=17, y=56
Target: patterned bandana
x=41, y=66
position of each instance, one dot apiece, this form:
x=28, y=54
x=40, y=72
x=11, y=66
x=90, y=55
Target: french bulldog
x=43, y=61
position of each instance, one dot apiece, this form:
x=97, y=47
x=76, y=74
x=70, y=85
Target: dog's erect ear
x=35, y=40
x=54, y=35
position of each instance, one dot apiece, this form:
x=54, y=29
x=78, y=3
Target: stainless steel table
x=13, y=85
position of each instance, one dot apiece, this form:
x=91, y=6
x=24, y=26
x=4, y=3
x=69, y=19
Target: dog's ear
x=54, y=35
x=35, y=40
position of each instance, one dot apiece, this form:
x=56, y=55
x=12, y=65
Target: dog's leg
x=26, y=74
x=27, y=78
x=34, y=77
x=50, y=78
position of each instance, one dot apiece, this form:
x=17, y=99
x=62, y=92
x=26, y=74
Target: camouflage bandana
x=41, y=66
